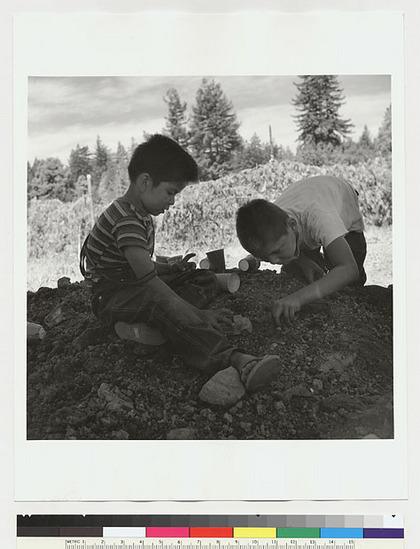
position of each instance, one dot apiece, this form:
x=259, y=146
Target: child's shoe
x=140, y=332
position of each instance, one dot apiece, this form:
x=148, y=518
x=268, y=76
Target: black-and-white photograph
x=210, y=257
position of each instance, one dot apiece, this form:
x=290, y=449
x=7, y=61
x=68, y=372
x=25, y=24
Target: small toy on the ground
x=217, y=260
x=228, y=282
x=249, y=264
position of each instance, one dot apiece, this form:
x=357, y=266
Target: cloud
x=66, y=111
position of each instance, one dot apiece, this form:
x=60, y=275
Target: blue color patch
x=349, y=533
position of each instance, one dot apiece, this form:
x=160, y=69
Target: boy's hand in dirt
x=217, y=319
x=185, y=264
x=284, y=310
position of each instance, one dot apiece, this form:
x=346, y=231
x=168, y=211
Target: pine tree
x=100, y=163
x=176, y=121
x=383, y=141
x=49, y=179
x=114, y=182
x=318, y=101
x=213, y=129
x=80, y=164
x=365, y=140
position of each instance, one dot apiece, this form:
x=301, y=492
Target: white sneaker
x=140, y=332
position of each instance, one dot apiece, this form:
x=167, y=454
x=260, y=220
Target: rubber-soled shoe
x=261, y=375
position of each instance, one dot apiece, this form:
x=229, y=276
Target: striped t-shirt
x=120, y=225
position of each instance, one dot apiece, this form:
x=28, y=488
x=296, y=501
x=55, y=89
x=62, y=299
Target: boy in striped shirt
x=128, y=287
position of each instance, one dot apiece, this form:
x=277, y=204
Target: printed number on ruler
x=214, y=544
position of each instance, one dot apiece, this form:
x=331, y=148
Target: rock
x=188, y=409
x=120, y=434
x=63, y=282
x=228, y=418
x=297, y=391
x=86, y=338
x=140, y=332
x=58, y=315
x=34, y=332
x=223, y=389
x=261, y=409
x=241, y=325
x=317, y=384
x=342, y=401
x=114, y=402
x=338, y=362
x=182, y=433
x=280, y=406
x=371, y=436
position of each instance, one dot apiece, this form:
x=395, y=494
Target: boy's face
x=285, y=249
x=157, y=199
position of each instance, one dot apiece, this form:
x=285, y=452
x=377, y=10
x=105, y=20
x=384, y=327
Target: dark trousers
x=190, y=337
x=357, y=243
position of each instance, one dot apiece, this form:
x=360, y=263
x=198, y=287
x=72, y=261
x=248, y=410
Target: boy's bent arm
x=144, y=268
x=344, y=272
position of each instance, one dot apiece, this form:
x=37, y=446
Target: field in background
x=204, y=217
x=46, y=271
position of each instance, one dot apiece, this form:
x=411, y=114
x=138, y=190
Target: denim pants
x=198, y=344
x=357, y=243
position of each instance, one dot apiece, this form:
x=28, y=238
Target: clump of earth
x=335, y=382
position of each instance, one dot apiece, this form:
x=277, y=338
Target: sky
x=64, y=112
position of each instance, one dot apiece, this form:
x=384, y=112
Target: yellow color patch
x=255, y=533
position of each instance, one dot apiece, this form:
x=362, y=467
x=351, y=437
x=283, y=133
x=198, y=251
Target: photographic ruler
x=209, y=532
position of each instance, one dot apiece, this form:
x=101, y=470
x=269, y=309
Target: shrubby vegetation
x=204, y=213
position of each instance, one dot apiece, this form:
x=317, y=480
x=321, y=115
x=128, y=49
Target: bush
x=204, y=214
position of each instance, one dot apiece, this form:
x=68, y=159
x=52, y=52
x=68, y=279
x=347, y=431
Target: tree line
x=210, y=132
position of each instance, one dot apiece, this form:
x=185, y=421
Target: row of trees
x=211, y=134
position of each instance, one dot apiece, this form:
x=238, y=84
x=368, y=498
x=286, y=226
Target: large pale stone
x=338, y=361
x=223, y=389
x=34, y=331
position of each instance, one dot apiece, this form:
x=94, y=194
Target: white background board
x=52, y=473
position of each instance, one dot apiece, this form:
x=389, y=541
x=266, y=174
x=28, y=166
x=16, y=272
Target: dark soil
x=336, y=380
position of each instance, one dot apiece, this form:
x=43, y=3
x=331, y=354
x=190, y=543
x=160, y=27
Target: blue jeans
x=198, y=344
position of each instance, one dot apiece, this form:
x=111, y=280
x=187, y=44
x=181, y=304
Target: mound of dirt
x=336, y=380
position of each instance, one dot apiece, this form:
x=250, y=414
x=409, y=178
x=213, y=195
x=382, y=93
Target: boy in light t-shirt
x=313, y=213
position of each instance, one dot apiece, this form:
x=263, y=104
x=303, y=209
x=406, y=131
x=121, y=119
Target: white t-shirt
x=324, y=207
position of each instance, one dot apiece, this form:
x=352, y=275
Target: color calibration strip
x=257, y=527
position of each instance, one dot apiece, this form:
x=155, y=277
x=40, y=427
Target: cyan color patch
x=349, y=533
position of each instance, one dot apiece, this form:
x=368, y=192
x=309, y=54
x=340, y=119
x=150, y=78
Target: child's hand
x=216, y=319
x=284, y=310
x=184, y=264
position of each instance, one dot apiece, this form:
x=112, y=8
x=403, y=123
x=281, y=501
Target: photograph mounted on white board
x=209, y=258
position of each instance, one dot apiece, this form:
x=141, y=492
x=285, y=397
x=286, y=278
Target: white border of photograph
x=247, y=43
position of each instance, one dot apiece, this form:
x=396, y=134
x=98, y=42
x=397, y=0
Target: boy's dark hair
x=258, y=223
x=164, y=160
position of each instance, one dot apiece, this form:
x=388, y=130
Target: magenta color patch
x=163, y=532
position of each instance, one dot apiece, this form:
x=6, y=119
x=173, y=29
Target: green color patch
x=298, y=533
